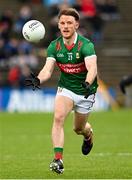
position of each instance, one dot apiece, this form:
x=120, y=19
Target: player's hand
x=33, y=81
x=86, y=85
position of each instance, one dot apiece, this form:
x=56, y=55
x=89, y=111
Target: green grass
x=26, y=149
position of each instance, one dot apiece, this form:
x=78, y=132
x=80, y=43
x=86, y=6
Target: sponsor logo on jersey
x=72, y=68
x=60, y=55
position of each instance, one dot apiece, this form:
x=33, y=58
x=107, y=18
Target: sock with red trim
x=58, y=152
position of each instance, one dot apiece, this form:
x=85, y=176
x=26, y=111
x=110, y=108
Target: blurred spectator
x=25, y=47
x=25, y=15
x=1, y=79
x=30, y=60
x=2, y=49
x=11, y=47
x=23, y=59
x=108, y=9
x=91, y=16
x=50, y=3
x=77, y=5
x=25, y=73
x=13, y=76
x=31, y=1
x=25, y=1
x=6, y=23
x=88, y=8
x=15, y=52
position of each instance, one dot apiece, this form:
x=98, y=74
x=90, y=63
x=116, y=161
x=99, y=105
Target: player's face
x=67, y=25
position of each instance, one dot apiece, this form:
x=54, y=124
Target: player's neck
x=71, y=40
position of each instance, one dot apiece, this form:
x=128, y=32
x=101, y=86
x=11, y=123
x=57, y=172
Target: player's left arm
x=90, y=60
x=91, y=66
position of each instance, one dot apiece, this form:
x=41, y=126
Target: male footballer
x=77, y=61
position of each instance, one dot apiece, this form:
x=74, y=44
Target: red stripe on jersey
x=79, y=45
x=58, y=46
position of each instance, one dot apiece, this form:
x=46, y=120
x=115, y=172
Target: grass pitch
x=26, y=149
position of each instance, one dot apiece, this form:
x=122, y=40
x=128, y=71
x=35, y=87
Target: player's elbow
x=95, y=71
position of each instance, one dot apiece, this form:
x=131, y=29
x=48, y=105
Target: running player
x=77, y=61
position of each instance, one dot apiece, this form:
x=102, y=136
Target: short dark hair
x=69, y=12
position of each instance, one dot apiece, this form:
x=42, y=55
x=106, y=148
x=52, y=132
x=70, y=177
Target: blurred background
x=106, y=22
x=25, y=145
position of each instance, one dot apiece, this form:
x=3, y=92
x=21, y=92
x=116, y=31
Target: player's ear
x=77, y=25
x=59, y=25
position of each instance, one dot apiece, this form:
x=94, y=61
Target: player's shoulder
x=54, y=42
x=84, y=39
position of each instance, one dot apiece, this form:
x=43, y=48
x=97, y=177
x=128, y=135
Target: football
x=33, y=31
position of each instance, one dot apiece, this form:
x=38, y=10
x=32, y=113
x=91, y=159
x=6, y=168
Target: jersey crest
x=77, y=55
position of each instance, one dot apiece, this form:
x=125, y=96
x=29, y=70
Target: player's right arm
x=47, y=70
x=45, y=73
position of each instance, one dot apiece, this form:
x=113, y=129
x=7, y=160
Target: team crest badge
x=77, y=55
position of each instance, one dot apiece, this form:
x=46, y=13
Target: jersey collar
x=69, y=47
x=75, y=40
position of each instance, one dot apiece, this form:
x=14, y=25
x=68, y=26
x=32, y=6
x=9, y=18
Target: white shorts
x=81, y=104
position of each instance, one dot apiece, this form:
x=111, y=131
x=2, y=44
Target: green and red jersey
x=70, y=61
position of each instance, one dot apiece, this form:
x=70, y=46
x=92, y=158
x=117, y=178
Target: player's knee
x=59, y=118
x=78, y=130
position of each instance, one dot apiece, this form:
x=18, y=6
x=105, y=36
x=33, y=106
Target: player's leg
x=63, y=105
x=82, y=127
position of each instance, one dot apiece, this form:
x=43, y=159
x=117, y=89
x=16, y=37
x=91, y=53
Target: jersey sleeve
x=51, y=51
x=88, y=49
